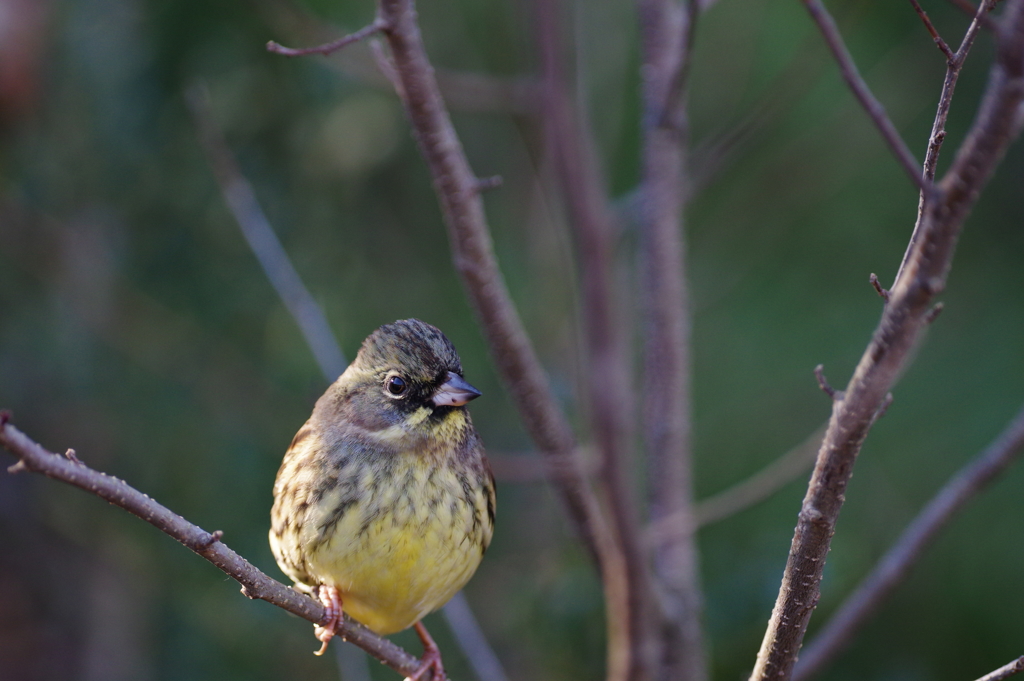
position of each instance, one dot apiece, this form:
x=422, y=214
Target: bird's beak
x=454, y=392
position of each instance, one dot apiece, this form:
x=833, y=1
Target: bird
x=384, y=503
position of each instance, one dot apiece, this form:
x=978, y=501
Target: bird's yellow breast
x=412, y=541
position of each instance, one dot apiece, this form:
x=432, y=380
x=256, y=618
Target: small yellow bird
x=384, y=503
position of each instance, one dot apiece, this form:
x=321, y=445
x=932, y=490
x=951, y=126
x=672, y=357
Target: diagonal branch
x=255, y=584
x=860, y=90
x=666, y=40
x=904, y=318
x=458, y=192
x=1006, y=671
x=260, y=236
x=582, y=188
x=762, y=484
x=939, y=42
x=894, y=567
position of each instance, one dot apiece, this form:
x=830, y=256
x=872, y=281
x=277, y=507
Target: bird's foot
x=431, y=660
x=331, y=599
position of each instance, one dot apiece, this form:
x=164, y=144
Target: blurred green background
x=137, y=327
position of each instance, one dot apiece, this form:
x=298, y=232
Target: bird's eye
x=396, y=385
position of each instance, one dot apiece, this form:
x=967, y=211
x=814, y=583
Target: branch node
x=70, y=455
x=211, y=539
x=819, y=373
x=883, y=408
x=483, y=184
x=934, y=312
x=17, y=467
x=878, y=287
x=326, y=49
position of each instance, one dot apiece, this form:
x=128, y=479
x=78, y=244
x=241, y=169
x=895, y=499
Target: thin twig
x=241, y=200
x=326, y=49
x=742, y=495
x=882, y=293
x=471, y=639
x=462, y=91
x=860, y=89
x=939, y=42
x=894, y=567
x=666, y=41
x=762, y=484
x=255, y=584
x=1006, y=671
x=826, y=387
x=577, y=171
x=903, y=320
x=938, y=133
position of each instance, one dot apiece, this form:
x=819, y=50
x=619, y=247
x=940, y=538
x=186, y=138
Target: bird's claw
x=331, y=600
x=431, y=660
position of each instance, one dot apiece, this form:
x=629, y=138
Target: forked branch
x=954, y=65
x=863, y=93
x=903, y=319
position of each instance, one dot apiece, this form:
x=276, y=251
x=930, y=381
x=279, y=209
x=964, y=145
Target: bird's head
x=407, y=378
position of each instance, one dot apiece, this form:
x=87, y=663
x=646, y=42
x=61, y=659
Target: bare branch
x=939, y=42
x=938, y=134
x=473, y=255
x=472, y=641
x=255, y=584
x=903, y=320
x=377, y=26
x=577, y=170
x=260, y=236
x=666, y=40
x=860, y=89
x=742, y=495
x=762, y=484
x=1006, y=671
x=894, y=567
x=462, y=91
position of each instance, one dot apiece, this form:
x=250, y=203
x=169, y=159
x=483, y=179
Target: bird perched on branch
x=384, y=504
